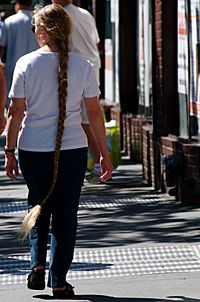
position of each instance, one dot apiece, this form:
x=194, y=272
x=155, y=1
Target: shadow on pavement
x=137, y=211
x=102, y=298
x=16, y=266
x=157, y=223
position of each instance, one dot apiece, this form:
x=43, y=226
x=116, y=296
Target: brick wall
x=181, y=169
x=191, y=158
x=153, y=161
x=126, y=130
x=123, y=128
x=136, y=137
x=169, y=164
x=128, y=134
x=165, y=100
x=146, y=163
x=189, y=179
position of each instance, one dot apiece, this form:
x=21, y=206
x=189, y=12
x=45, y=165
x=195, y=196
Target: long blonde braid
x=57, y=25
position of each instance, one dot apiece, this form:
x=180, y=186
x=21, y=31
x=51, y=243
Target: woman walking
x=48, y=85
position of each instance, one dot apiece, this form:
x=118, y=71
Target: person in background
x=1, y=30
x=84, y=40
x=51, y=83
x=16, y=38
x=3, y=97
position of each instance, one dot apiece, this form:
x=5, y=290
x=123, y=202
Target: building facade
x=150, y=83
x=151, y=78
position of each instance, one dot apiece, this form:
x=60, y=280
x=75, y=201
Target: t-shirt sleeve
x=17, y=89
x=91, y=87
x=84, y=116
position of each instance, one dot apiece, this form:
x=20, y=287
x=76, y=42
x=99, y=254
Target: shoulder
x=73, y=9
x=30, y=55
x=78, y=59
x=10, y=19
x=79, y=66
x=26, y=59
x=20, y=15
x=84, y=11
x=86, y=14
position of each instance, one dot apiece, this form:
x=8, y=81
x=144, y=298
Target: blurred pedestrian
x=50, y=83
x=2, y=52
x=84, y=40
x=3, y=97
x=16, y=38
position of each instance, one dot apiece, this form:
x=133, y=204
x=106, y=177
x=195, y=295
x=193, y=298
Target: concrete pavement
x=133, y=244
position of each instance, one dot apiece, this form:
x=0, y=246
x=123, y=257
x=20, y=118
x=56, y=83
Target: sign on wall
x=194, y=34
x=183, y=78
x=189, y=65
x=144, y=55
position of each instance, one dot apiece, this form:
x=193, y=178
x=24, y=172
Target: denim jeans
x=60, y=209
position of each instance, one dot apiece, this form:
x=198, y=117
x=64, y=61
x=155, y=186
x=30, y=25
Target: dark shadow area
x=18, y=266
x=10, y=243
x=124, y=224
x=121, y=179
x=8, y=205
x=102, y=298
x=8, y=182
x=13, y=266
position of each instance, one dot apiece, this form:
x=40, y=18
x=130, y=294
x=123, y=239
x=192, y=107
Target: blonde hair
x=57, y=24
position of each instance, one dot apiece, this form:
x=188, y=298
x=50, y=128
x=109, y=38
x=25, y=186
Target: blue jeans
x=61, y=208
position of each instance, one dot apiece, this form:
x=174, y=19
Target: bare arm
x=3, y=96
x=15, y=117
x=92, y=144
x=96, y=121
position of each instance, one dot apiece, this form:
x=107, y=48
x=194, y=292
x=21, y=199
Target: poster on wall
x=144, y=55
x=112, y=56
x=194, y=34
x=115, y=21
x=147, y=53
x=141, y=67
x=108, y=70
x=183, y=78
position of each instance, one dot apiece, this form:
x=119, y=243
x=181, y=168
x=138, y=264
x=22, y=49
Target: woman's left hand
x=106, y=168
x=11, y=166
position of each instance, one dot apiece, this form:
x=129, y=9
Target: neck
x=63, y=3
x=21, y=7
x=68, y=2
x=50, y=47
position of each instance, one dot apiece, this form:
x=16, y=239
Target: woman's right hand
x=11, y=166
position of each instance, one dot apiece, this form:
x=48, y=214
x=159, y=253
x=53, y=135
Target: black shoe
x=68, y=292
x=36, y=279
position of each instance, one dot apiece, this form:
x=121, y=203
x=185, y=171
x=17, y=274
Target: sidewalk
x=133, y=244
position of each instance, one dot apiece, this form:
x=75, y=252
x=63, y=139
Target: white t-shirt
x=36, y=79
x=84, y=37
x=17, y=37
